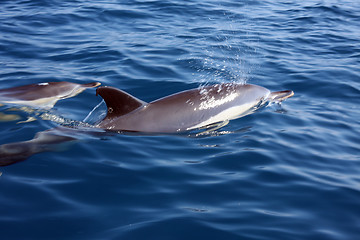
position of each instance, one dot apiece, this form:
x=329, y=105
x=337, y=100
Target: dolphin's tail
x=280, y=96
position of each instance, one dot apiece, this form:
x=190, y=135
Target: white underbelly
x=227, y=114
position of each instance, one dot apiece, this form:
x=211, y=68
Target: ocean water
x=289, y=171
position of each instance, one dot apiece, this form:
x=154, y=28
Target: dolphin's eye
x=110, y=110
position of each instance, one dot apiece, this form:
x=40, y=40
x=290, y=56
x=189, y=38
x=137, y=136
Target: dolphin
x=42, y=95
x=184, y=111
x=49, y=140
x=55, y=139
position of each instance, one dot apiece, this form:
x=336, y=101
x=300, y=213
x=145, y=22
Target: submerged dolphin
x=42, y=95
x=49, y=140
x=184, y=111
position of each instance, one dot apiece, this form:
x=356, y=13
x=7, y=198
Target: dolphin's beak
x=280, y=95
x=91, y=85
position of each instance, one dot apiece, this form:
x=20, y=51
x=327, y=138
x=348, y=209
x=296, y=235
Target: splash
x=47, y=116
x=232, y=55
x=209, y=101
x=86, y=119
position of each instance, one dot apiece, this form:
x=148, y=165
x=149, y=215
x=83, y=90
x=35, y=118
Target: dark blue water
x=285, y=172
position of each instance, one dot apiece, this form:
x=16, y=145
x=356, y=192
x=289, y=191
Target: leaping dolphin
x=184, y=111
x=42, y=95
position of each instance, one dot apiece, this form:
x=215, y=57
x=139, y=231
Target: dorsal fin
x=118, y=102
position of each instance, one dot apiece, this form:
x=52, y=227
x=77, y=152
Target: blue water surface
x=284, y=172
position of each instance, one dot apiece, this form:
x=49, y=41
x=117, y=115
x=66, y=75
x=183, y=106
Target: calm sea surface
x=285, y=172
